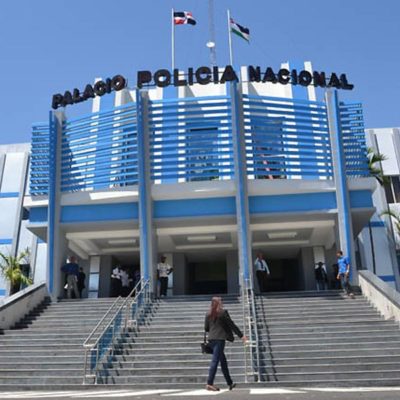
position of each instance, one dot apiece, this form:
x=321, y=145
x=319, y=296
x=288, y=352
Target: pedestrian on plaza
x=71, y=270
x=81, y=281
x=125, y=282
x=321, y=276
x=163, y=270
x=344, y=273
x=116, y=284
x=220, y=328
x=262, y=272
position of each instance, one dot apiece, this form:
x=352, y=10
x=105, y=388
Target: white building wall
x=14, y=237
x=376, y=239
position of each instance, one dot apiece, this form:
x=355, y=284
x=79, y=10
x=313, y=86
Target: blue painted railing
x=286, y=138
x=39, y=166
x=191, y=140
x=354, y=145
x=123, y=314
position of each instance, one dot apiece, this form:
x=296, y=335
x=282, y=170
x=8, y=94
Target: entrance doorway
x=207, y=277
x=285, y=275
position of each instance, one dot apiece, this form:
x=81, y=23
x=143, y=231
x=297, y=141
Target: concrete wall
x=381, y=295
x=15, y=307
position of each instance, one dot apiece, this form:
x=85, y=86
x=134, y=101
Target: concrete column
x=307, y=261
x=242, y=202
x=180, y=274
x=54, y=256
x=345, y=227
x=146, y=228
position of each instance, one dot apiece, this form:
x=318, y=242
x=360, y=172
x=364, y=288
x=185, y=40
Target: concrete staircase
x=325, y=339
x=44, y=350
x=165, y=352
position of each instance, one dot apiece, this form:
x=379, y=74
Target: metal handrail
x=100, y=322
x=252, y=327
x=140, y=288
x=245, y=333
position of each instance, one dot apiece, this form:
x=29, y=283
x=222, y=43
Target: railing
x=100, y=151
x=286, y=138
x=191, y=139
x=127, y=311
x=250, y=327
x=353, y=136
x=40, y=154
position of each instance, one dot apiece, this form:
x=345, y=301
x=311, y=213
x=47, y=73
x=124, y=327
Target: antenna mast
x=211, y=29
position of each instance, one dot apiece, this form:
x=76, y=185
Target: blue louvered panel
x=191, y=139
x=286, y=138
x=354, y=145
x=100, y=150
x=39, y=166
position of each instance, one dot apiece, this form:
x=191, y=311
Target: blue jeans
x=344, y=282
x=218, y=356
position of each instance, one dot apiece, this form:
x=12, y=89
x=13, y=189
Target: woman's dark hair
x=216, y=308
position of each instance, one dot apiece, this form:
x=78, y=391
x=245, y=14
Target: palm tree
x=396, y=217
x=10, y=268
x=374, y=170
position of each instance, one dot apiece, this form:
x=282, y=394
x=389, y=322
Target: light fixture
x=122, y=241
x=204, y=238
x=282, y=235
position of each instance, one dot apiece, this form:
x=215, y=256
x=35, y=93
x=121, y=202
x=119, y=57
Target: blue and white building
x=207, y=175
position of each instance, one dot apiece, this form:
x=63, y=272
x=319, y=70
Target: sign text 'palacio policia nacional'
x=203, y=76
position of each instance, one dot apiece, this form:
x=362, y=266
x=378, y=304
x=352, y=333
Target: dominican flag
x=240, y=30
x=184, y=17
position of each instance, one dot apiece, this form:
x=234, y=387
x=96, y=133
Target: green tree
x=396, y=218
x=10, y=268
x=375, y=165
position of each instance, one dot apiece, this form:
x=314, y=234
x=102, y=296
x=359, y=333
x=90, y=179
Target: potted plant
x=10, y=268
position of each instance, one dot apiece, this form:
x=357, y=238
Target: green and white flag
x=240, y=30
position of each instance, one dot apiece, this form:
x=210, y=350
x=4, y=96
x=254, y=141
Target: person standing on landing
x=220, y=328
x=71, y=270
x=262, y=272
x=163, y=270
x=344, y=272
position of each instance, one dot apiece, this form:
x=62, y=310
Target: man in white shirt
x=262, y=271
x=125, y=281
x=116, y=284
x=163, y=270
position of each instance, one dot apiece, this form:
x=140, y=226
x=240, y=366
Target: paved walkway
x=370, y=393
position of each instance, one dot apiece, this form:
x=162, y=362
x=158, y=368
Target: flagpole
x=172, y=40
x=230, y=38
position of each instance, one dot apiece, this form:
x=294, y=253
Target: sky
x=49, y=46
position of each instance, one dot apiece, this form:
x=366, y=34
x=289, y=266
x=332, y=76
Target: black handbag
x=205, y=346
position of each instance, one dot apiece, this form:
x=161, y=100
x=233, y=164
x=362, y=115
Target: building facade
x=208, y=175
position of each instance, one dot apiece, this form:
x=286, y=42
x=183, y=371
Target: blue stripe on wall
x=292, y=202
x=194, y=207
x=2, y=292
x=38, y=214
x=377, y=224
x=387, y=278
x=203, y=207
x=9, y=194
x=5, y=241
x=99, y=212
x=361, y=198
